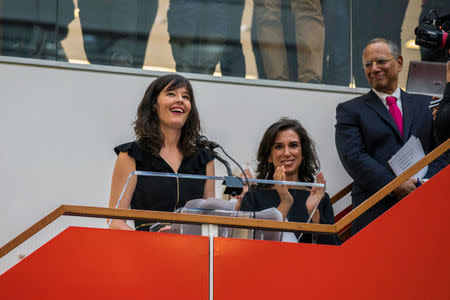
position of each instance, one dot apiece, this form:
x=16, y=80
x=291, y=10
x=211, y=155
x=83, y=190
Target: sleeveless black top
x=163, y=193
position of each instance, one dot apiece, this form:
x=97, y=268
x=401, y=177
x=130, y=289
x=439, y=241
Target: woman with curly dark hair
x=287, y=153
x=166, y=127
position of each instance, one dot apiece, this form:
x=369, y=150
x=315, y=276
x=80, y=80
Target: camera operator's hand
x=448, y=68
x=434, y=111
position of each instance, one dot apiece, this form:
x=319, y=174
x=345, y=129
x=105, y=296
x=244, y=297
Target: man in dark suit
x=373, y=127
x=441, y=114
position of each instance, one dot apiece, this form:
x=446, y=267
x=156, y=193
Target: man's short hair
x=392, y=46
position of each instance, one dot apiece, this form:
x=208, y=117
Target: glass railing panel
x=337, y=56
x=27, y=29
x=300, y=41
x=282, y=40
x=227, y=204
x=116, y=32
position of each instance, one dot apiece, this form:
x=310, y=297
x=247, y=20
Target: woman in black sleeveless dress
x=166, y=127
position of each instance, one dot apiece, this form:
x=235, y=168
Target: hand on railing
x=448, y=68
x=119, y=224
x=405, y=188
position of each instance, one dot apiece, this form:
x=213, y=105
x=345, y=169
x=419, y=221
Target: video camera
x=433, y=31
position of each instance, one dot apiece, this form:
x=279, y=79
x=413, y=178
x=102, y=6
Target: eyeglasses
x=368, y=64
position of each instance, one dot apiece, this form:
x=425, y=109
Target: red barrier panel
x=404, y=254
x=83, y=263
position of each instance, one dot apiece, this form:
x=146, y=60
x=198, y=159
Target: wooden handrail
x=161, y=216
x=338, y=196
x=158, y=216
x=31, y=231
x=112, y=213
x=344, y=234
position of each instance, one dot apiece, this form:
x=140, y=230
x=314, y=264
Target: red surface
x=83, y=263
x=405, y=254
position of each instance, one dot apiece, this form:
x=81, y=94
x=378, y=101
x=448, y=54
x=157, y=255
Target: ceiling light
x=411, y=44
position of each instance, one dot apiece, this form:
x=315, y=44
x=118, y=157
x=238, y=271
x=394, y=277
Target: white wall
x=59, y=124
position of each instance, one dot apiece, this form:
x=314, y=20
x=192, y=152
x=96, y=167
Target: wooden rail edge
x=11, y=245
x=102, y=212
x=387, y=189
x=342, y=193
x=158, y=216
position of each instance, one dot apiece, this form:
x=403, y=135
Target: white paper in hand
x=408, y=155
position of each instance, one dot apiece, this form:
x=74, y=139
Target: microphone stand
x=238, y=208
x=234, y=185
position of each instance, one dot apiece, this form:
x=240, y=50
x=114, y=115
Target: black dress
x=164, y=193
x=261, y=199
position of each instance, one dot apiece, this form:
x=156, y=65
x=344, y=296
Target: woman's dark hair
x=310, y=163
x=146, y=126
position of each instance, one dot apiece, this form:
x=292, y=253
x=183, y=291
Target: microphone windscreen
x=201, y=141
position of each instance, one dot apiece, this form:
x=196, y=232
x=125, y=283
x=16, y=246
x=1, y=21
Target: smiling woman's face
x=173, y=107
x=287, y=151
